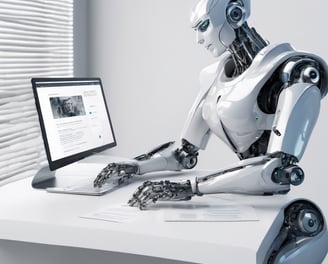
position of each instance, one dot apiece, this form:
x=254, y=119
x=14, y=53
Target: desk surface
x=36, y=216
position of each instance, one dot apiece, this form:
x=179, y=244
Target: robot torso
x=232, y=108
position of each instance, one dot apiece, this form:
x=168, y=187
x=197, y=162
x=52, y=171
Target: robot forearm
x=251, y=176
x=163, y=157
x=261, y=175
x=166, y=157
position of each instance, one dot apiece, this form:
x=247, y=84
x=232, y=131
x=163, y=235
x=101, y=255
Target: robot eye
x=204, y=25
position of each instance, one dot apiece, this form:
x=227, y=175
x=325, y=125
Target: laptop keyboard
x=86, y=188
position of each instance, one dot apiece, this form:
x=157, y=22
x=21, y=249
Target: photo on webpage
x=67, y=106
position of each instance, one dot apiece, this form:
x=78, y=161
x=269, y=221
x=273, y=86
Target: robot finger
x=144, y=195
x=108, y=172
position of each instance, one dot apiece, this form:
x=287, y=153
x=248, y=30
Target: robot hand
x=150, y=192
x=116, y=173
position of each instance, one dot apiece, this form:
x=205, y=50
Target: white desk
x=40, y=227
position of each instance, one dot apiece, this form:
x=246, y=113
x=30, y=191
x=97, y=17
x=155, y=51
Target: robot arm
x=163, y=157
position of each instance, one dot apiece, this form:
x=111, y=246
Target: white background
x=147, y=56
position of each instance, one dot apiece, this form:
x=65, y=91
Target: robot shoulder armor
x=306, y=68
x=293, y=67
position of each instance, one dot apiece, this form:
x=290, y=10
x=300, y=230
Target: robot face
x=207, y=35
x=215, y=20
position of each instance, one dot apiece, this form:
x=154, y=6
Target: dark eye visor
x=202, y=25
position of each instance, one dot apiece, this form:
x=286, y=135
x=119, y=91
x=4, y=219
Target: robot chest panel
x=232, y=113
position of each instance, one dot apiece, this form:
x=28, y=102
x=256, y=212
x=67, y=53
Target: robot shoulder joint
x=305, y=69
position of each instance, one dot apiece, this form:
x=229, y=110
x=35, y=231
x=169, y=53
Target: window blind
x=36, y=40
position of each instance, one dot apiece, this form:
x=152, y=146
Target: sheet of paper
x=119, y=214
x=212, y=213
x=192, y=211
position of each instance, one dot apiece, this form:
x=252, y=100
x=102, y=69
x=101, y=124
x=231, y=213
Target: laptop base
x=46, y=179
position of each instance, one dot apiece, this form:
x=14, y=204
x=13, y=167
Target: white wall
x=145, y=52
x=147, y=56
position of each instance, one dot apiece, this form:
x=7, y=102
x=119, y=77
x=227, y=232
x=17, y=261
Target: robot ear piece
x=236, y=14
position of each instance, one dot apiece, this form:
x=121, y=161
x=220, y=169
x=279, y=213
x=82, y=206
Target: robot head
x=215, y=21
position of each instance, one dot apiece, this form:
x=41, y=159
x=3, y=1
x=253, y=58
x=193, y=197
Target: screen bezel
x=56, y=164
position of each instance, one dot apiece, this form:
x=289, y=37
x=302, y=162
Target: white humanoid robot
x=263, y=101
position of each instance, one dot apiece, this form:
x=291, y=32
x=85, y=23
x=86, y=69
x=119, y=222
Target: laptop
x=75, y=124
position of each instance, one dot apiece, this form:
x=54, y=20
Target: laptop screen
x=74, y=118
